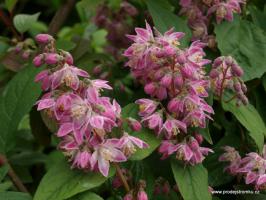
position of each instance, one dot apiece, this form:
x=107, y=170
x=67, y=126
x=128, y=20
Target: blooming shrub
x=133, y=100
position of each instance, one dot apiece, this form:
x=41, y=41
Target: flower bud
x=97, y=70
x=244, y=88
x=43, y=38
x=134, y=124
x=166, y=80
x=237, y=87
x=181, y=58
x=178, y=80
x=173, y=105
x=26, y=55
x=68, y=58
x=193, y=144
x=199, y=138
x=128, y=196
x=38, y=60
x=150, y=88
x=237, y=70
x=142, y=195
x=51, y=58
x=217, y=62
x=166, y=188
x=214, y=73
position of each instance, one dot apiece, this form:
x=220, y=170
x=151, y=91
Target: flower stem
x=13, y=176
x=222, y=84
x=122, y=177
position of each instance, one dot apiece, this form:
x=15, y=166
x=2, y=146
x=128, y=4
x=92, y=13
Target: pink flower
x=171, y=127
x=47, y=101
x=146, y=106
x=52, y=58
x=82, y=160
x=154, y=121
x=106, y=153
x=167, y=148
x=127, y=143
x=225, y=10
x=44, y=78
x=69, y=76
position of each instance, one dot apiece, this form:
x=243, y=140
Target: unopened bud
x=43, y=38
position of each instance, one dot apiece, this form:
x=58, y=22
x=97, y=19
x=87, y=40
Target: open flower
x=106, y=153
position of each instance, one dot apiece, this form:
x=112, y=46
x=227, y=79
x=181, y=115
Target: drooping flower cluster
x=176, y=77
x=85, y=118
x=199, y=14
x=226, y=74
x=252, y=167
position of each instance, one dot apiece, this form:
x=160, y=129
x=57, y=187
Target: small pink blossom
x=104, y=154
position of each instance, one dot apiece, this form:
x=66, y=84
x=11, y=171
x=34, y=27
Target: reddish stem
x=122, y=177
x=173, y=82
x=222, y=84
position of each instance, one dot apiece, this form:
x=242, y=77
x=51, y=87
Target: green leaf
x=16, y=101
x=10, y=4
x=15, y=196
x=88, y=195
x=246, y=43
x=164, y=19
x=62, y=182
x=66, y=45
x=249, y=117
x=192, y=181
x=5, y=186
x=258, y=16
x=23, y=22
x=3, y=172
x=131, y=110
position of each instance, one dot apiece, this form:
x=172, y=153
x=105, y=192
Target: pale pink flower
x=104, y=154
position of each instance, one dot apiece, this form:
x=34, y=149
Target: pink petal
x=46, y=103
x=118, y=156
x=97, y=121
x=138, y=142
x=261, y=179
x=251, y=177
x=103, y=166
x=65, y=129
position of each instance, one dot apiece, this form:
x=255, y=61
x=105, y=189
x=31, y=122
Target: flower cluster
x=252, y=167
x=85, y=118
x=25, y=48
x=176, y=79
x=226, y=74
x=199, y=13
